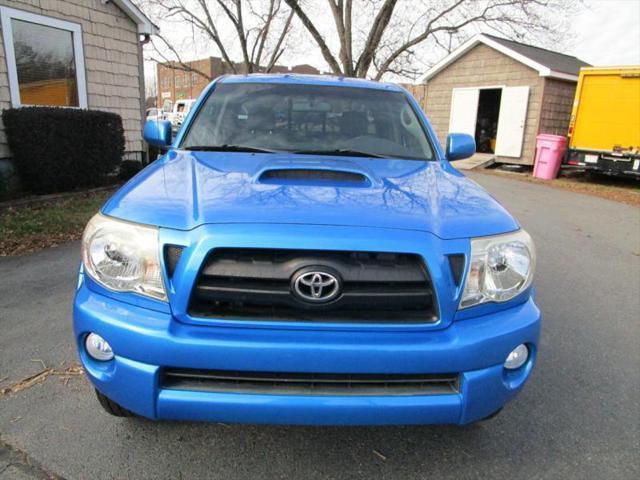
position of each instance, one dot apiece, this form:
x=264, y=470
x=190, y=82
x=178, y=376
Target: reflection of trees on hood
x=403, y=195
x=431, y=191
x=425, y=192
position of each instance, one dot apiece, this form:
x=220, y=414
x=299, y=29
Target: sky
x=607, y=32
x=603, y=33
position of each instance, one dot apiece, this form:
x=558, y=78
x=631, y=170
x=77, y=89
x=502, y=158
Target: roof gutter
x=543, y=70
x=560, y=76
x=145, y=26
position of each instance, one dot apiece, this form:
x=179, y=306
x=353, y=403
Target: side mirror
x=460, y=146
x=157, y=133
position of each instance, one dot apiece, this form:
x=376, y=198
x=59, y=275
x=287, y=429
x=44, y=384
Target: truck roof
x=301, y=79
x=609, y=69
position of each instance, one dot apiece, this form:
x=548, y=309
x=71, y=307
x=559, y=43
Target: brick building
x=74, y=53
x=503, y=93
x=175, y=84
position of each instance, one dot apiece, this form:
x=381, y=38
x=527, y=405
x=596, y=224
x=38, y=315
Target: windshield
x=309, y=119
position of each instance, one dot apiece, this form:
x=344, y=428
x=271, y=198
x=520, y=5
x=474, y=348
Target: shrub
x=58, y=149
x=128, y=168
x=9, y=183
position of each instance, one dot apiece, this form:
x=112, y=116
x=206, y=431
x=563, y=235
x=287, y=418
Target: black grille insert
x=172, y=254
x=256, y=285
x=310, y=383
x=456, y=262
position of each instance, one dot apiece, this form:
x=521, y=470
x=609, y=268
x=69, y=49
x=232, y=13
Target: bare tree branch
x=308, y=24
x=375, y=35
x=178, y=64
x=278, y=50
x=236, y=20
x=261, y=29
x=261, y=38
x=430, y=30
x=367, y=38
x=337, y=9
x=386, y=32
x=347, y=31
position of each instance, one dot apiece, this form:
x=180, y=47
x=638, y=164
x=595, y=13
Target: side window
x=45, y=60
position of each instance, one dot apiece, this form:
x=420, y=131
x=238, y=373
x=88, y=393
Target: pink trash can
x=549, y=152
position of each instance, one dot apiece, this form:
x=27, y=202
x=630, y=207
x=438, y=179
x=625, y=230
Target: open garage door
x=511, y=121
x=464, y=110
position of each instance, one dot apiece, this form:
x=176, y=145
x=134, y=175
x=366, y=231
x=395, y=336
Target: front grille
x=257, y=285
x=309, y=383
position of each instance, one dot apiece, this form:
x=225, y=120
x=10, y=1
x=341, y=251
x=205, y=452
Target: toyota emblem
x=316, y=286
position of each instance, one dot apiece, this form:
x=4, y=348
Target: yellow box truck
x=604, y=132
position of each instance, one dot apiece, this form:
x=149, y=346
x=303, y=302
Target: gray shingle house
x=502, y=92
x=75, y=53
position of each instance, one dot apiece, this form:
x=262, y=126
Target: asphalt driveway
x=578, y=417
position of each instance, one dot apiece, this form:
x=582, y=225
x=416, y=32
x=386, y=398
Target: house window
x=45, y=60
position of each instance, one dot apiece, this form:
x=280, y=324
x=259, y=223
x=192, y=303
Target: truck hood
x=186, y=189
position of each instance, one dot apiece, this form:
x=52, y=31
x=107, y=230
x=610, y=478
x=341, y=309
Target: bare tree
x=383, y=35
x=260, y=27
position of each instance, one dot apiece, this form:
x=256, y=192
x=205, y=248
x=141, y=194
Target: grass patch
x=26, y=229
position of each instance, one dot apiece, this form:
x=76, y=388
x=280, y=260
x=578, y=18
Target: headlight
x=123, y=256
x=500, y=268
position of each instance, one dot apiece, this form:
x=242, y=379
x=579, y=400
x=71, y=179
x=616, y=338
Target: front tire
x=112, y=408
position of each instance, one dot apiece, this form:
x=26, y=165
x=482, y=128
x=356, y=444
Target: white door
x=464, y=110
x=511, y=120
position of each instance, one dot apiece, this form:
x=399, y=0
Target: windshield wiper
x=340, y=151
x=229, y=148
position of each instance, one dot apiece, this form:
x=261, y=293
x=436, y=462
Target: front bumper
x=145, y=341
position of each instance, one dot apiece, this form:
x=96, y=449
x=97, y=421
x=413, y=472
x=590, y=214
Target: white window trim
x=6, y=15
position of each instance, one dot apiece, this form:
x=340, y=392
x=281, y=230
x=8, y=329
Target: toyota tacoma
x=305, y=253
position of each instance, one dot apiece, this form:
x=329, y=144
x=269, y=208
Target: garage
x=501, y=92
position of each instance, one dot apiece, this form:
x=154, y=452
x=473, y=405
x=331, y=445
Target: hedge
x=59, y=149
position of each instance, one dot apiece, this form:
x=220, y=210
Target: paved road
x=578, y=417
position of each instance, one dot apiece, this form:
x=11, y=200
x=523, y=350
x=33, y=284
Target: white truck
x=179, y=111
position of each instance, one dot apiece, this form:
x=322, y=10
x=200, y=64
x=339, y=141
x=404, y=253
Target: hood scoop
x=314, y=177
x=194, y=189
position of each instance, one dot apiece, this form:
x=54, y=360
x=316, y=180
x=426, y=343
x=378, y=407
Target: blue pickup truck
x=304, y=253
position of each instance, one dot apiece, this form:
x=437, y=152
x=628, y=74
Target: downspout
x=146, y=38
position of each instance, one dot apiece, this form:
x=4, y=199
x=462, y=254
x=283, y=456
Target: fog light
x=98, y=348
x=517, y=357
